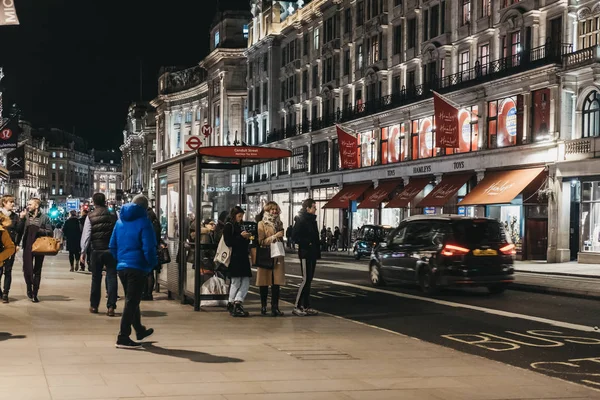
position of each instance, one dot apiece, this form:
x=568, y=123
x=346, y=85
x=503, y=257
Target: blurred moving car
x=437, y=251
x=368, y=237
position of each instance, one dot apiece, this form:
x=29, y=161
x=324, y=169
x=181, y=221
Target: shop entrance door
x=537, y=239
x=574, y=225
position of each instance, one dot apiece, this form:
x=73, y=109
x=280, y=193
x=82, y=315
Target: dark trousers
x=133, y=284
x=32, y=270
x=99, y=260
x=264, y=293
x=307, y=267
x=74, y=257
x=148, y=286
x=6, y=270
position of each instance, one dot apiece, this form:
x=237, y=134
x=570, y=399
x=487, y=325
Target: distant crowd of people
x=329, y=240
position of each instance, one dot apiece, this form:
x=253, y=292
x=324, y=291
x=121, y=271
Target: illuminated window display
x=367, y=149
x=392, y=144
x=469, y=132
x=590, y=217
x=502, y=122
x=423, y=138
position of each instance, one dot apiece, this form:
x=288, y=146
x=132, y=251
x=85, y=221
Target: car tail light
x=509, y=249
x=452, y=250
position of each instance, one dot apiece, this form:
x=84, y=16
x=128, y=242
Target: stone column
x=168, y=131
x=559, y=212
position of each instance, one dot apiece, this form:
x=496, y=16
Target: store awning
x=409, y=193
x=501, y=187
x=445, y=190
x=348, y=193
x=374, y=197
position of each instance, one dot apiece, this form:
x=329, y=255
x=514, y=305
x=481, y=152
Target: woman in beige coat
x=270, y=230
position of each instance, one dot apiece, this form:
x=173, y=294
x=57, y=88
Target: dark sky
x=75, y=64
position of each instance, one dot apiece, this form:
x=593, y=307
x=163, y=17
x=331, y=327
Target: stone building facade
x=108, y=174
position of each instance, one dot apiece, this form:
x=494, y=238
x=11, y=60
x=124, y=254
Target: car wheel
x=356, y=254
x=375, y=275
x=497, y=289
x=428, y=281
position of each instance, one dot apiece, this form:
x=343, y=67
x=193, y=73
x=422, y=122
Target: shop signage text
x=300, y=184
x=218, y=189
x=423, y=169
x=279, y=186
x=391, y=172
x=458, y=165
x=324, y=180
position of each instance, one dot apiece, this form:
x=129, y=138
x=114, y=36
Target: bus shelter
x=193, y=187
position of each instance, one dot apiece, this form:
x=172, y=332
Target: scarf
x=273, y=221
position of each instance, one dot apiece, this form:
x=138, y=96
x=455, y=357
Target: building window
x=591, y=115
x=335, y=155
x=397, y=39
x=188, y=117
x=305, y=81
x=265, y=94
x=199, y=114
x=463, y=65
x=60, y=154
x=367, y=149
x=502, y=122
x=359, y=56
x=315, y=77
x=53, y=189
x=423, y=138
x=468, y=130
x=484, y=58
x=53, y=165
x=347, y=62
x=435, y=21
x=217, y=38
x=320, y=157
x=316, y=39
x=411, y=33
x=217, y=118
x=589, y=32
x=54, y=154
x=392, y=144
x=60, y=190
x=245, y=31
x=360, y=13
x=305, y=44
x=466, y=11
x=375, y=49
x=486, y=8
x=348, y=20
x=300, y=159
x=590, y=216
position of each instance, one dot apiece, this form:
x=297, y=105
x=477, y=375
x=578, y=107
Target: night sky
x=75, y=64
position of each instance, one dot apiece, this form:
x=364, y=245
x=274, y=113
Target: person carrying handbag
x=239, y=270
x=37, y=224
x=270, y=231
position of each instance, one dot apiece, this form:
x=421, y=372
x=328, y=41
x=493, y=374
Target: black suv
x=367, y=238
x=436, y=251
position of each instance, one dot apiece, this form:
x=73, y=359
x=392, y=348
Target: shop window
x=423, y=138
x=367, y=149
x=502, y=123
x=320, y=154
x=300, y=159
x=335, y=155
x=392, y=144
x=469, y=131
x=591, y=115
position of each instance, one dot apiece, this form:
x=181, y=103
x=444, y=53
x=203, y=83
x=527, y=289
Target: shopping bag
x=263, y=258
x=164, y=257
x=45, y=246
x=214, y=286
x=223, y=255
x=277, y=250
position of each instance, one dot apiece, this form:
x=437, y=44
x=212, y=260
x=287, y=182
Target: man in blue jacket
x=133, y=244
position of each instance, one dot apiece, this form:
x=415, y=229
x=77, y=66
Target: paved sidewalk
x=57, y=350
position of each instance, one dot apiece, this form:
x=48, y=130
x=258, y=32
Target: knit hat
x=141, y=200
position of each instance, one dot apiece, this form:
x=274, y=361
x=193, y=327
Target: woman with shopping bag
x=271, y=267
x=235, y=256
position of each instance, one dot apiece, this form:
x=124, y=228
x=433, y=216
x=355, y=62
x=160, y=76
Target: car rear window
x=478, y=232
x=382, y=233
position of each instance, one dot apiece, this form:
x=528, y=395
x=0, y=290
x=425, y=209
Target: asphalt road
x=553, y=335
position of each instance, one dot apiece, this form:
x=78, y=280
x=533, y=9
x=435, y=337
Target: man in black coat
x=72, y=233
x=15, y=231
x=306, y=236
x=97, y=231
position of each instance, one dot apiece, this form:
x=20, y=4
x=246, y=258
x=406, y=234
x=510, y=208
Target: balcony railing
x=582, y=57
x=536, y=57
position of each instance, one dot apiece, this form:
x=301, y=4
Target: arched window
x=591, y=115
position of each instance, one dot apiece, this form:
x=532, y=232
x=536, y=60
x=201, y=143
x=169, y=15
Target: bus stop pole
x=197, y=227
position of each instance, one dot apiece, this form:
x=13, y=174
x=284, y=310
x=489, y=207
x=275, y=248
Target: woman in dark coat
x=72, y=232
x=150, y=282
x=239, y=266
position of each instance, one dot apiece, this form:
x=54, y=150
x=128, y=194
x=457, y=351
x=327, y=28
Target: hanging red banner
x=348, y=145
x=446, y=124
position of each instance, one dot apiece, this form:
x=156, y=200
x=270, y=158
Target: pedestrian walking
x=270, y=230
x=336, y=239
x=329, y=239
x=82, y=219
x=151, y=279
x=15, y=230
x=288, y=235
x=133, y=245
x=306, y=235
x=95, y=239
x=8, y=246
x=72, y=232
x=37, y=224
x=239, y=266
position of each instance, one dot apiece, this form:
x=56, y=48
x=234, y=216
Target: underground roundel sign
x=6, y=134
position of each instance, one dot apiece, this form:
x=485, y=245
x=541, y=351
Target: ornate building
x=212, y=93
x=108, y=175
x=139, y=150
x=521, y=74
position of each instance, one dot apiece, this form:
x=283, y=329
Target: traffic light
x=53, y=213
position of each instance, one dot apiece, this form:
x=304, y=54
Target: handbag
x=45, y=246
x=277, y=250
x=164, y=257
x=223, y=255
x=263, y=258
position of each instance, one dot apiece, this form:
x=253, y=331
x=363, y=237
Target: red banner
x=446, y=124
x=348, y=145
